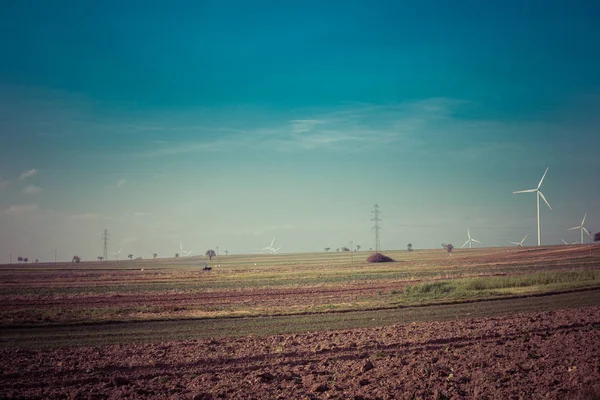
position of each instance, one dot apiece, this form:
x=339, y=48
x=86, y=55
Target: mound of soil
x=379, y=258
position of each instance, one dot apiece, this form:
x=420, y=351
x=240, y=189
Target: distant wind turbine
x=117, y=254
x=183, y=252
x=271, y=248
x=538, y=194
x=470, y=241
x=581, y=228
x=520, y=244
x=563, y=240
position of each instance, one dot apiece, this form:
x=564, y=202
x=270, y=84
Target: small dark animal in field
x=206, y=268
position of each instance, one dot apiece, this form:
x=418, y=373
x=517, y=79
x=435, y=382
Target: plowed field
x=312, y=326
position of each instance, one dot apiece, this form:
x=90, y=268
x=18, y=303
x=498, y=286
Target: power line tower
x=376, y=227
x=105, y=243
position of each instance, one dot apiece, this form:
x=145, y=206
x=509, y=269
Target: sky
x=229, y=123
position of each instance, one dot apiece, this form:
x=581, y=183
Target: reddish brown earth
x=554, y=354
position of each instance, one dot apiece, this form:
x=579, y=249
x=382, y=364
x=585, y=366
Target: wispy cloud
x=19, y=209
x=121, y=182
x=141, y=214
x=32, y=189
x=28, y=174
x=304, y=125
x=351, y=127
x=94, y=216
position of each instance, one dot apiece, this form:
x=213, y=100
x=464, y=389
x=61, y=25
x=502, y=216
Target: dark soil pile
x=379, y=258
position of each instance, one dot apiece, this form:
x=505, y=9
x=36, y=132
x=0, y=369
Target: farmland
x=282, y=325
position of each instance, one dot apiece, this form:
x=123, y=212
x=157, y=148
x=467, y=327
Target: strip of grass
x=484, y=287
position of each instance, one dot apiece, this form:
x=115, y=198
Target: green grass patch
x=481, y=287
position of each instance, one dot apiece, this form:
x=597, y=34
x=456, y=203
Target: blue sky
x=229, y=123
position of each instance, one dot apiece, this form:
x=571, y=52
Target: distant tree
x=100, y=258
x=449, y=247
x=25, y=260
x=345, y=248
x=36, y=260
x=130, y=256
x=358, y=247
x=338, y=249
x=327, y=249
x=226, y=252
x=176, y=255
x=154, y=256
x=210, y=254
x=76, y=259
x=597, y=237
x=20, y=259
x=409, y=247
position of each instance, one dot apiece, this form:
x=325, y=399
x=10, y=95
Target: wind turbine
x=117, y=254
x=271, y=248
x=581, y=228
x=520, y=244
x=563, y=240
x=470, y=241
x=183, y=252
x=538, y=194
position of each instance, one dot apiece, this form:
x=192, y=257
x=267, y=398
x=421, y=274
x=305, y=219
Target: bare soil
x=554, y=354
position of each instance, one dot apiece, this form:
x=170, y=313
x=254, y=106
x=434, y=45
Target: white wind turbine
x=271, y=248
x=470, y=241
x=538, y=194
x=117, y=254
x=581, y=228
x=520, y=244
x=182, y=251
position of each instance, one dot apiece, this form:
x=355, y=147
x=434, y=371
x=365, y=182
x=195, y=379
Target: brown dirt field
x=540, y=355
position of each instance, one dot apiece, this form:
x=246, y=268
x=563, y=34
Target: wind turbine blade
x=526, y=191
x=543, y=176
x=272, y=241
x=586, y=231
x=467, y=242
x=524, y=239
x=583, y=221
x=544, y=198
x=564, y=241
x=476, y=241
x=469, y=233
x=573, y=228
x=517, y=243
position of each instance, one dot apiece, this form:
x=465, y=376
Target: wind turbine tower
x=581, y=228
x=470, y=240
x=538, y=195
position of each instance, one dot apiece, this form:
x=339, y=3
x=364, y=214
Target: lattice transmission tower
x=376, y=226
x=105, y=245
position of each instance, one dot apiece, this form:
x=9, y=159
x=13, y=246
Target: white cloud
x=32, y=189
x=121, y=182
x=20, y=209
x=304, y=125
x=94, y=216
x=28, y=174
